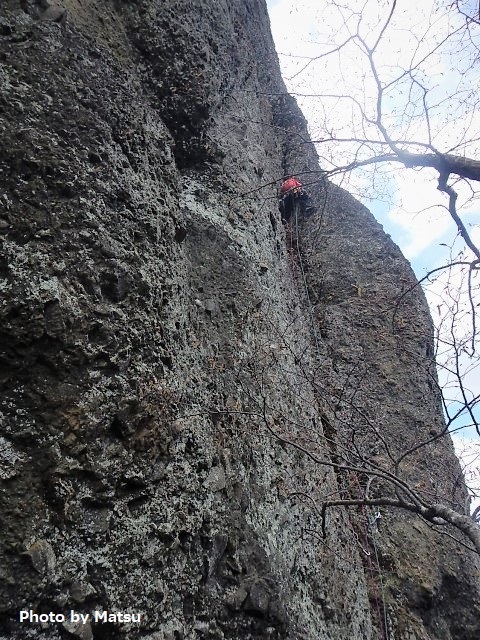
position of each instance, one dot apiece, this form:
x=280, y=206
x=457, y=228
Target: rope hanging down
x=370, y=522
x=372, y=525
x=304, y=279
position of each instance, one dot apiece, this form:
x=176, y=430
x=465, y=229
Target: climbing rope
x=302, y=271
x=378, y=598
x=370, y=523
x=291, y=252
x=373, y=526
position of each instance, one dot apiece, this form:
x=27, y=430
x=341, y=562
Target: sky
x=404, y=205
x=406, y=202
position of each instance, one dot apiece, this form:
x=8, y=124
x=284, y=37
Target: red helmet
x=289, y=183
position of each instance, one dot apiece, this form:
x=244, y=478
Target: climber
x=291, y=191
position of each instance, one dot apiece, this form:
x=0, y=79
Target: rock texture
x=381, y=386
x=162, y=383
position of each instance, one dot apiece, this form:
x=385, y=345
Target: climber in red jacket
x=292, y=191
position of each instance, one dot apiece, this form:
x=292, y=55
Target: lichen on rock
x=156, y=349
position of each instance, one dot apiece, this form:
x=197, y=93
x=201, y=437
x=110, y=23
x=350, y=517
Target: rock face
x=167, y=385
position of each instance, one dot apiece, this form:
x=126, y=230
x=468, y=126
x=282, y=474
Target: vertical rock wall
x=157, y=405
x=384, y=407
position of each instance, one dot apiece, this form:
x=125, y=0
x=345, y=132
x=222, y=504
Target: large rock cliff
x=169, y=379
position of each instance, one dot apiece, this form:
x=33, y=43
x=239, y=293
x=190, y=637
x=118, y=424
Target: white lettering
x=118, y=616
x=40, y=617
x=79, y=617
x=100, y=616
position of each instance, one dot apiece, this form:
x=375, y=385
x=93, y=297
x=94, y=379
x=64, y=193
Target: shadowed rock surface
x=157, y=351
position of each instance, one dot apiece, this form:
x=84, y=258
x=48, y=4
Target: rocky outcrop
x=382, y=394
x=160, y=404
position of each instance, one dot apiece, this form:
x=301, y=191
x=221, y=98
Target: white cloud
x=475, y=232
x=417, y=219
x=423, y=222
x=468, y=453
x=304, y=29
